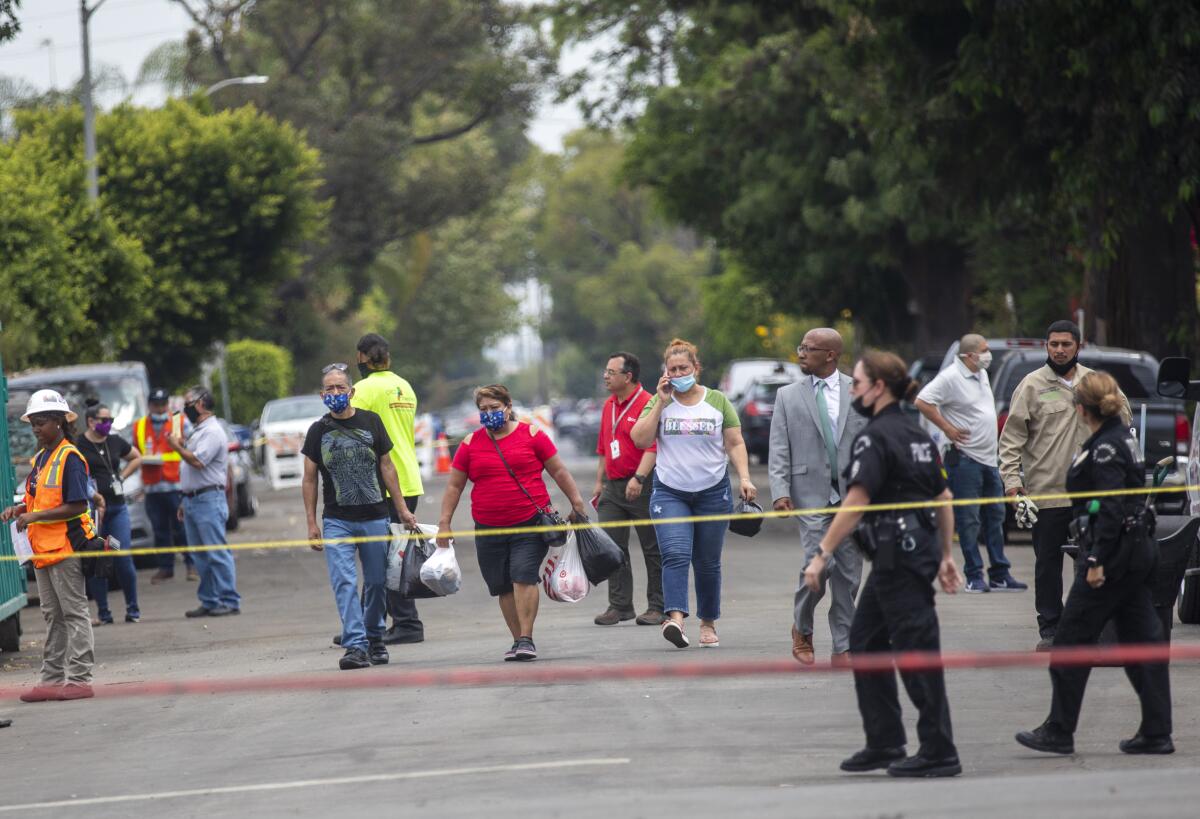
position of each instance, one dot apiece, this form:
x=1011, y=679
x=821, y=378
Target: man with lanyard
x=160, y=482
x=392, y=398
x=623, y=496
x=204, y=510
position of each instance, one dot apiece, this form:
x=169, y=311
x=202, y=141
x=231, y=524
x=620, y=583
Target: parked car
x=122, y=386
x=1174, y=382
x=239, y=490
x=280, y=435
x=1166, y=432
x=740, y=372
x=755, y=409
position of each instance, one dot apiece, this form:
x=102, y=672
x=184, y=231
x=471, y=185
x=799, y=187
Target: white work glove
x=1026, y=512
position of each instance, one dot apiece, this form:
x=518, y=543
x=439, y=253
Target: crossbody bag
x=545, y=517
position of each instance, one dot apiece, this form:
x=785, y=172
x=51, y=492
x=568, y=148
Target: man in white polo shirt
x=959, y=402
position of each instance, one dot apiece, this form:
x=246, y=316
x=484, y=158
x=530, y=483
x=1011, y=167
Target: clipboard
x=21, y=545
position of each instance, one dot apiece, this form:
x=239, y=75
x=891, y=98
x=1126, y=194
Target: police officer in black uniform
x=893, y=461
x=1112, y=579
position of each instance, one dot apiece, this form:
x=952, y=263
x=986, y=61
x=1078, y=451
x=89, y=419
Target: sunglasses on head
x=339, y=366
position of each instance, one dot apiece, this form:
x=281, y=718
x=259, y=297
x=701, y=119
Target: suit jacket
x=798, y=463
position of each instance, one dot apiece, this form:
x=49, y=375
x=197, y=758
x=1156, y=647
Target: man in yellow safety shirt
x=392, y=398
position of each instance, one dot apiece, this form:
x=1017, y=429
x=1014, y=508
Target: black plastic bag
x=600, y=554
x=416, y=552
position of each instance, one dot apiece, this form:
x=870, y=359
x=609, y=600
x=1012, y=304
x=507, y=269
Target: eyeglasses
x=340, y=367
x=804, y=348
x=614, y=373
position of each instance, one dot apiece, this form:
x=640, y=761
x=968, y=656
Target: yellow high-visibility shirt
x=392, y=398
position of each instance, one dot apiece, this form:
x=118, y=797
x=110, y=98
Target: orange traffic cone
x=443, y=454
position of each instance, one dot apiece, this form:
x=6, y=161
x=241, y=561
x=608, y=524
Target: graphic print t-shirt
x=347, y=452
x=691, y=441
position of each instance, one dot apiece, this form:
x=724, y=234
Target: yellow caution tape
x=516, y=530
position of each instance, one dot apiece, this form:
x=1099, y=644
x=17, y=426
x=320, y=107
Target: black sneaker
x=337, y=639
x=1139, y=744
x=511, y=654
x=526, y=650
x=392, y=637
x=201, y=611
x=133, y=618
x=354, y=658
x=872, y=759
x=1047, y=740
x=223, y=611
x=918, y=765
x=378, y=653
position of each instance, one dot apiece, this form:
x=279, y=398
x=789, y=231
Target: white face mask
x=985, y=359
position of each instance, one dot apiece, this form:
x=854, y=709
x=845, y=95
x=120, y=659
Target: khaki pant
x=67, y=655
x=613, y=507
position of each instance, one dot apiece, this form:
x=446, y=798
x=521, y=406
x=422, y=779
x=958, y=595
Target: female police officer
x=893, y=461
x=1112, y=580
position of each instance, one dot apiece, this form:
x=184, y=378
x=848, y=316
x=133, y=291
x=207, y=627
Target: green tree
x=9, y=24
x=258, y=372
x=220, y=204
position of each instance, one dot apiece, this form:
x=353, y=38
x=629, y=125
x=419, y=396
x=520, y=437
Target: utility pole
x=89, y=111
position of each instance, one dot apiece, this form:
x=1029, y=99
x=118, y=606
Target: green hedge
x=258, y=372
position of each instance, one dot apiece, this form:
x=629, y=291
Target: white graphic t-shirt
x=691, y=443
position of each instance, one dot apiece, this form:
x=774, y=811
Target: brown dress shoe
x=192, y=574
x=802, y=647
x=612, y=617
x=43, y=693
x=840, y=659
x=651, y=617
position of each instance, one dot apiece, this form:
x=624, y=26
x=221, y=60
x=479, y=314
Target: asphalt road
x=764, y=746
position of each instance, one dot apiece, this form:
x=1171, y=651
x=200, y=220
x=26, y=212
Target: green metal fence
x=12, y=576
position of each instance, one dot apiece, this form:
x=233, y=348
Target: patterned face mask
x=492, y=419
x=337, y=401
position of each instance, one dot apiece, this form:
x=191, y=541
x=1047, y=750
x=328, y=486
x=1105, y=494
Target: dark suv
x=1166, y=431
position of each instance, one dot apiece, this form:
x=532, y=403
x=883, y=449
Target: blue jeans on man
x=969, y=479
x=204, y=517
x=116, y=523
x=163, y=510
x=362, y=616
x=697, y=545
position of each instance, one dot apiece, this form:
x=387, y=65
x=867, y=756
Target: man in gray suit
x=811, y=433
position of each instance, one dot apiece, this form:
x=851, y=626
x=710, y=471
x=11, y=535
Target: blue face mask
x=683, y=383
x=492, y=419
x=159, y=417
x=337, y=401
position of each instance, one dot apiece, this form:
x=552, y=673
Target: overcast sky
x=47, y=53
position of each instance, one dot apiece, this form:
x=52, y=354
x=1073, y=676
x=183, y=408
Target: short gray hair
x=970, y=343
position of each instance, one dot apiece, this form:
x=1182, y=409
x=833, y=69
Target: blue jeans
x=116, y=523
x=971, y=479
x=362, y=619
x=163, y=510
x=695, y=544
x=204, y=519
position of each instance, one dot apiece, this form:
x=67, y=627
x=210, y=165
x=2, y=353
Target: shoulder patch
x=1105, y=452
x=861, y=445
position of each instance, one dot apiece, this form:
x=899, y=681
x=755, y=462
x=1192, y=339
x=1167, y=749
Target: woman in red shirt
x=509, y=563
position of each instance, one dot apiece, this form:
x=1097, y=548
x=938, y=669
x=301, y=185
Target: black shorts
x=508, y=559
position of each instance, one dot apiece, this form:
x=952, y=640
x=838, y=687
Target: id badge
x=118, y=490
x=614, y=449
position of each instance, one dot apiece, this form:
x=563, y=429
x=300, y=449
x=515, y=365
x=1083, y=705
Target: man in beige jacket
x=1041, y=436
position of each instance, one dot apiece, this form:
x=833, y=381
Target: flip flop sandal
x=714, y=642
x=674, y=634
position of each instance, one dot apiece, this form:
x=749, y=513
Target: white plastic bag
x=441, y=572
x=395, y=555
x=563, y=576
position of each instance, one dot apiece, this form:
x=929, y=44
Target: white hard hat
x=47, y=401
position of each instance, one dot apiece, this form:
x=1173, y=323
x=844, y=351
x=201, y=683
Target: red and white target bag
x=563, y=576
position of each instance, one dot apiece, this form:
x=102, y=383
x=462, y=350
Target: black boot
x=1047, y=740
x=1147, y=745
x=920, y=765
x=872, y=759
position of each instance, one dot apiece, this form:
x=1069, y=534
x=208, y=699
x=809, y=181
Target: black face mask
x=364, y=369
x=192, y=413
x=1062, y=369
x=865, y=412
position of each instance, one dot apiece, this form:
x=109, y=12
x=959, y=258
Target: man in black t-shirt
x=104, y=452
x=349, y=448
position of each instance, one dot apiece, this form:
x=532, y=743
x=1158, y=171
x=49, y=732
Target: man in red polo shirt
x=622, y=490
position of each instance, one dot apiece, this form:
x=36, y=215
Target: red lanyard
x=619, y=411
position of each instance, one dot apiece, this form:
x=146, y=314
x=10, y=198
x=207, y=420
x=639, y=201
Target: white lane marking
x=316, y=783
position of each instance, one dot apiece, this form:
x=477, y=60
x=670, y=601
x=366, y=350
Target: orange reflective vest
x=143, y=433
x=54, y=541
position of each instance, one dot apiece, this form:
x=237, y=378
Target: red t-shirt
x=496, y=500
x=626, y=464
